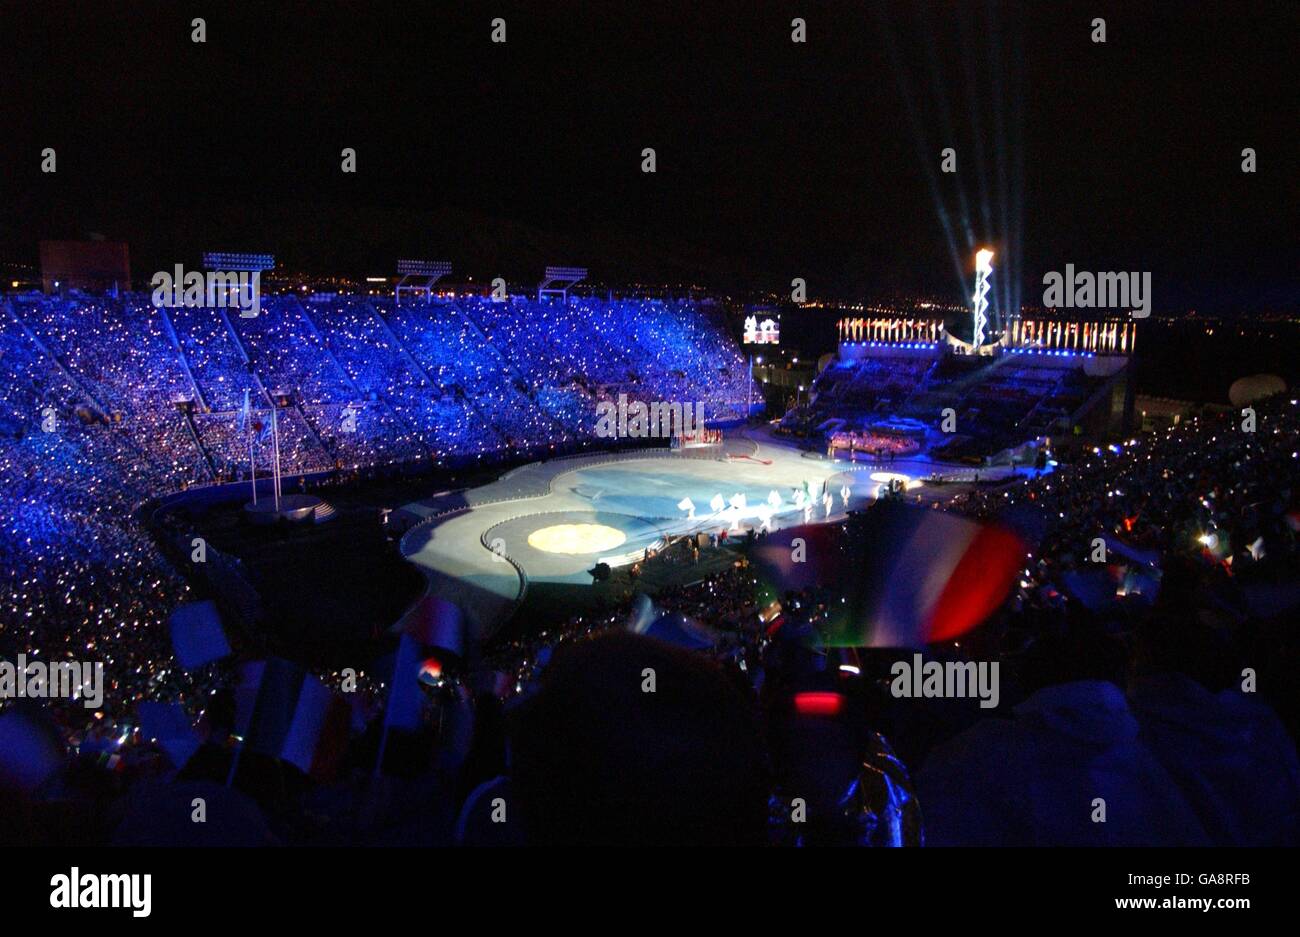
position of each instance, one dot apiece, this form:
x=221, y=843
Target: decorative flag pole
x=275, y=434
x=245, y=423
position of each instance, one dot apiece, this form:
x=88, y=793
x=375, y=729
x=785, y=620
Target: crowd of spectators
x=868, y=386
x=1203, y=488
x=78, y=577
x=996, y=403
x=363, y=381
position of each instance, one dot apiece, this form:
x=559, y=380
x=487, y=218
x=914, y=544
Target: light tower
x=983, y=270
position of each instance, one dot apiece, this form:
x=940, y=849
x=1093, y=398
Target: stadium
x=156, y=402
x=215, y=488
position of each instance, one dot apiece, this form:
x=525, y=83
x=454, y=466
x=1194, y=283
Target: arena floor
x=474, y=547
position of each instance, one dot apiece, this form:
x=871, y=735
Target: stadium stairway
x=243, y=354
x=194, y=435
x=170, y=328
x=323, y=346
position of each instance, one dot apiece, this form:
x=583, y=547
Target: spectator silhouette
x=1044, y=776
x=598, y=759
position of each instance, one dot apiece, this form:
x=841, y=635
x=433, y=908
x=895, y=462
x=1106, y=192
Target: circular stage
x=576, y=538
x=561, y=546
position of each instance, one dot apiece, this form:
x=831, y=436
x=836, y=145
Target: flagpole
x=246, y=424
x=275, y=459
x=252, y=461
x=275, y=432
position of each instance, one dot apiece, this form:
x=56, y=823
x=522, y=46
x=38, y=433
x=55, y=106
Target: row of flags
x=285, y=712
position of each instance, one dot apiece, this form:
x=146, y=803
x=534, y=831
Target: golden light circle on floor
x=576, y=538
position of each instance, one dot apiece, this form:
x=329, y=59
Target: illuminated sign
x=767, y=332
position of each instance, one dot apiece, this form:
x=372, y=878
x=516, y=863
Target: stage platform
x=294, y=508
x=473, y=546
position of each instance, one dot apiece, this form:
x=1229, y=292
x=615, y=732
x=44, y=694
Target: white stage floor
x=470, y=555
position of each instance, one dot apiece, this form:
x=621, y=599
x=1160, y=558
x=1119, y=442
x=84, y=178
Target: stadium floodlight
x=983, y=270
x=423, y=268
x=418, y=276
x=567, y=276
x=574, y=274
x=227, y=260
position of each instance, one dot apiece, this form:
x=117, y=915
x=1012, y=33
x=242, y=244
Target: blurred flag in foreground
x=405, y=698
x=285, y=712
x=673, y=627
x=32, y=749
x=198, y=637
x=895, y=575
x=1129, y=552
x=169, y=726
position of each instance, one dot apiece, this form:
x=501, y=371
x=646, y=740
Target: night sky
x=775, y=159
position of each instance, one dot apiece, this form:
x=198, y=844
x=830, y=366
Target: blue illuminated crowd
x=108, y=402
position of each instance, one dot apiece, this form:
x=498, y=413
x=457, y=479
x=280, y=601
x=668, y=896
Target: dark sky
x=775, y=159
